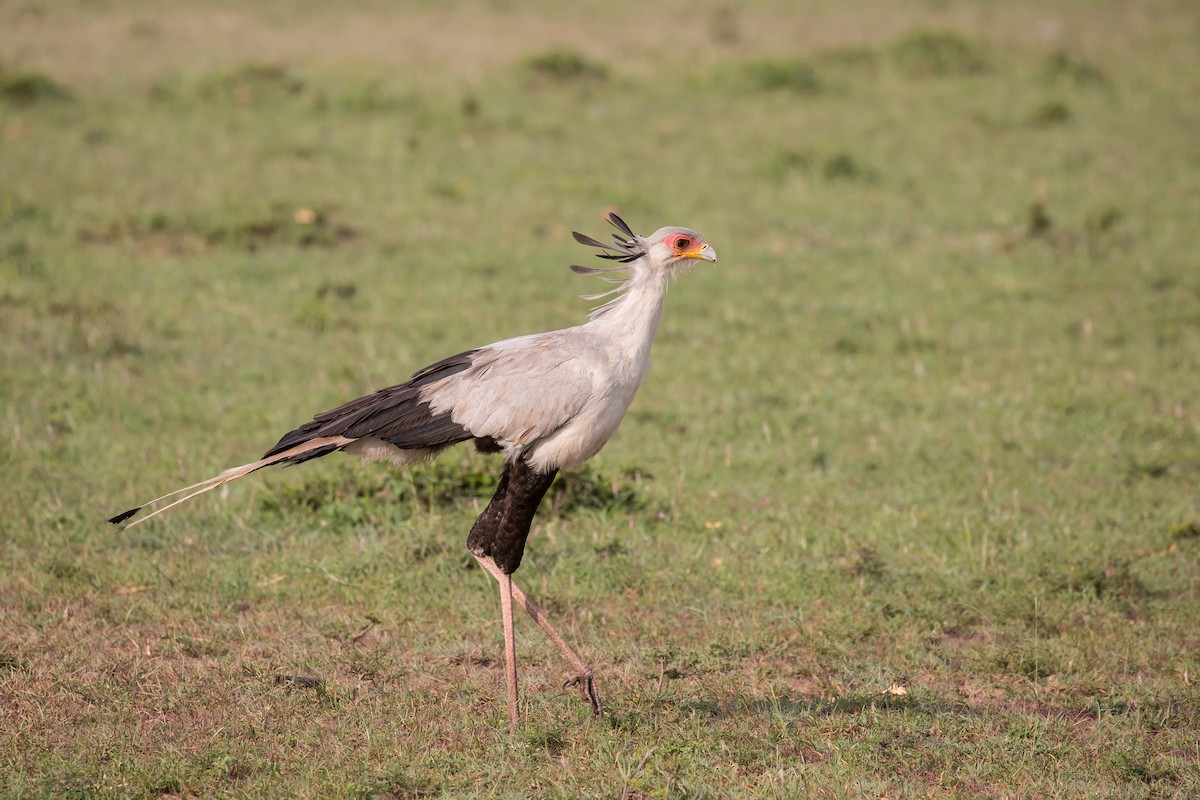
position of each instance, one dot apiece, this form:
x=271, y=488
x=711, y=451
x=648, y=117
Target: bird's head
x=672, y=248
x=663, y=252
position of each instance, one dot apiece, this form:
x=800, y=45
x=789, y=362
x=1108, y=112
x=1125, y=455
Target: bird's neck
x=631, y=321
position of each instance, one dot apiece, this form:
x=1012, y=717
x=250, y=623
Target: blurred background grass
x=907, y=506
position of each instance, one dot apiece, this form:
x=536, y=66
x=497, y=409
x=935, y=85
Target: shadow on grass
x=280, y=226
x=916, y=704
x=811, y=707
x=354, y=491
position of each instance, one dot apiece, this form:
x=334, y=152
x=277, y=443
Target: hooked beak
x=706, y=252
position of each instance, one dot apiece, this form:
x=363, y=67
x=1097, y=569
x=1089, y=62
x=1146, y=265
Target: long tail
x=313, y=448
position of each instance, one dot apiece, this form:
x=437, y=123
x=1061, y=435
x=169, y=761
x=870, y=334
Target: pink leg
x=510, y=649
x=584, y=671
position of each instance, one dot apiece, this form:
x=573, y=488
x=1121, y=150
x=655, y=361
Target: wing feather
x=521, y=390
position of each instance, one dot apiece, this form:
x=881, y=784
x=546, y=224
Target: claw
x=589, y=691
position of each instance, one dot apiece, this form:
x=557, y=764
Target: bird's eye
x=681, y=243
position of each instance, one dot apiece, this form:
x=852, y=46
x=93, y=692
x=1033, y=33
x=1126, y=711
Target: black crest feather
x=580, y=270
x=621, y=225
x=625, y=246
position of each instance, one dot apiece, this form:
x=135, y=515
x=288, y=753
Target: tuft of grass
x=1039, y=223
x=252, y=83
x=833, y=168
x=787, y=161
x=1062, y=66
x=938, y=54
x=193, y=647
x=589, y=490
x=852, y=57
x=1186, y=530
x=565, y=65
x=843, y=166
x=23, y=88
x=1105, y=220
x=797, y=77
x=1051, y=114
x=1140, y=765
x=375, y=96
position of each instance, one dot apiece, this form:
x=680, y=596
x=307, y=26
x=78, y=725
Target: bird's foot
x=589, y=690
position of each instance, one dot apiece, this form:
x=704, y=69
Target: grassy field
x=909, y=505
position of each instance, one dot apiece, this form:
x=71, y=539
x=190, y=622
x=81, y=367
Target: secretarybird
x=548, y=401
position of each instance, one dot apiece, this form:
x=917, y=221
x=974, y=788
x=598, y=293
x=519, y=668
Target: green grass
x=907, y=507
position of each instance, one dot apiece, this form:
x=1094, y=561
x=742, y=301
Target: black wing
x=396, y=415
